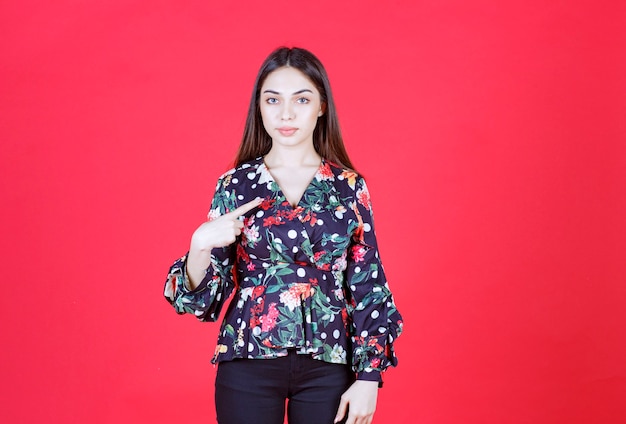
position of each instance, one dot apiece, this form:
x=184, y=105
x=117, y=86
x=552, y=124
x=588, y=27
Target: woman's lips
x=287, y=131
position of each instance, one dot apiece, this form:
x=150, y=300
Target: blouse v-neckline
x=280, y=190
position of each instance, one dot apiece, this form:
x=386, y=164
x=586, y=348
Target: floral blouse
x=307, y=277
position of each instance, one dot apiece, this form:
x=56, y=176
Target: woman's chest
x=317, y=231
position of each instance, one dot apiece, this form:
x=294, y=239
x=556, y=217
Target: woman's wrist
x=198, y=260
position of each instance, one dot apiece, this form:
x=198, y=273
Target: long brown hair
x=327, y=138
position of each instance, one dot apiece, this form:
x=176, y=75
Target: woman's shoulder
x=239, y=176
x=350, y=177
x=351, y=184
x=242, y=169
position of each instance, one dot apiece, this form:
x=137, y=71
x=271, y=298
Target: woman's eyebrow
x=304, y=90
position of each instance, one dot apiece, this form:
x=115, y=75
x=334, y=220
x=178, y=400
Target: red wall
x=492, y=136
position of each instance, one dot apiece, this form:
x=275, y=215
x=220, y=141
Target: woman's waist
x=257, y=272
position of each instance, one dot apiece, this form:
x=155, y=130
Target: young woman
x=290, y=236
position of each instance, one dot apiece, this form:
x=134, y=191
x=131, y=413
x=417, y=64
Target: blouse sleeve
x=206, y=300
x=376, y=321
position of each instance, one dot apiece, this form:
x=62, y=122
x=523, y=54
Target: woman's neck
x=302, y=157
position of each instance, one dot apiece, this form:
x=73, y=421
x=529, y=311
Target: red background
x=492, y=137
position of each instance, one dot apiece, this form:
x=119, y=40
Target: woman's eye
x=271, y=100
x=303, y=100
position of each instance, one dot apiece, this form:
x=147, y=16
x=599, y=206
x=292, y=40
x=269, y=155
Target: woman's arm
x=200, y=281
x=375, y=319
x=219, y=232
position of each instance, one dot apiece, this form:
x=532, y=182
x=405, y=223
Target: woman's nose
x=287, y=112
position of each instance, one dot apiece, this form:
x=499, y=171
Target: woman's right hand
x=219, y=232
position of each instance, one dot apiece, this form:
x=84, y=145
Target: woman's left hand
x=359, y=401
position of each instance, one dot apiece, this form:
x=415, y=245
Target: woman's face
x=290, y=105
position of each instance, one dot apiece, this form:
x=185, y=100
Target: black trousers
x=254, y=391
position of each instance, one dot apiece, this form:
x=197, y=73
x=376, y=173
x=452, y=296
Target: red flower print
x=250, y=266
x=302, y=289
x=257, y=291
x=358, y=234
x=268, y=321
x=325, y=172
x=242, y=254
x=255, y=312
x=272, y=220
x=375, y=362
x=358, y=253
x=267, y=203
x=364, y=198
x=309, y=217
x=344, y=315
x=318, y=255
x=293, y=214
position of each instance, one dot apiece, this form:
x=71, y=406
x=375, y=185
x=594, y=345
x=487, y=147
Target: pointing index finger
x=243, y=209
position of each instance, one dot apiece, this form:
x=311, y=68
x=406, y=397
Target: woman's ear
x=322, y=110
